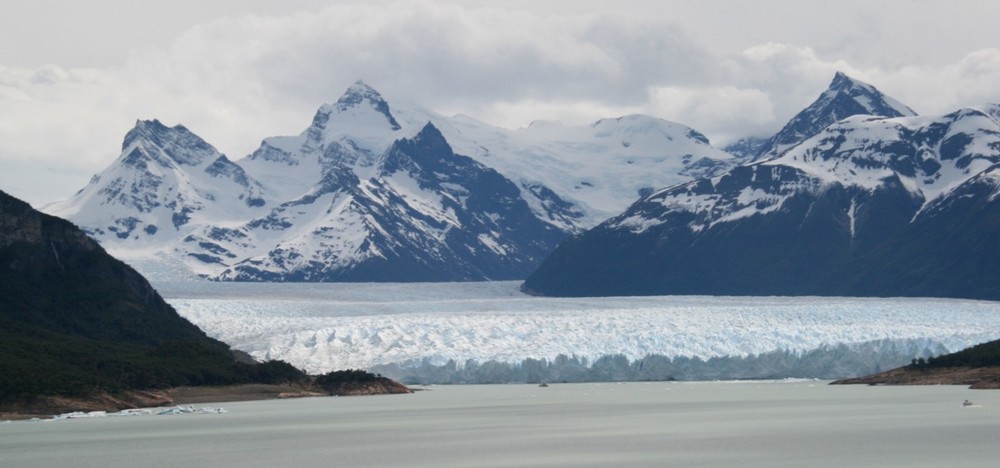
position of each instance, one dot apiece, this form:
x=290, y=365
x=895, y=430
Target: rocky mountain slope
x=426, y=213
x=869, y=206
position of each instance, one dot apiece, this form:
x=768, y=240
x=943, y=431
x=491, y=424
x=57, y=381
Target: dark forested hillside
x=75, y=321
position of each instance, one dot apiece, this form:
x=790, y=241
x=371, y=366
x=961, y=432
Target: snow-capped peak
x=867, y=96
x=153, y=139
x=166, y=183
x=845, y=97
x=144, y=129
x=360, y=93
x=347, y=134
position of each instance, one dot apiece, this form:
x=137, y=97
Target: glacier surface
x=328, y=326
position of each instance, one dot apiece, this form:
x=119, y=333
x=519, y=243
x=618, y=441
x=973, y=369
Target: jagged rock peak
x=429, y=131
x=868, y=96
x=431, y=141
x=177, y=142
x=428, y=145
x=360, y=93
x=146, y=129
x=845, y=97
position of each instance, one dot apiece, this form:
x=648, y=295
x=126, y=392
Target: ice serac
x=166, y=182
x=869, y=206
x=845, y=97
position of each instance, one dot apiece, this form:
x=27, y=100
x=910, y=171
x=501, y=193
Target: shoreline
x=45, y=407
x=977, y=378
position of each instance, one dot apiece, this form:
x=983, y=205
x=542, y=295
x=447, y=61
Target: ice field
x=322, y=327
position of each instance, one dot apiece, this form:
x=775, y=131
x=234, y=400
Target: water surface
x=799, y=423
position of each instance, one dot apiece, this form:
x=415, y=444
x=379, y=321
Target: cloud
x=730, y=112
x=441, y=52
x=239, y=79
x=970, y=81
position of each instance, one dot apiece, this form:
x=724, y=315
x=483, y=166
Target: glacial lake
x=750, y=423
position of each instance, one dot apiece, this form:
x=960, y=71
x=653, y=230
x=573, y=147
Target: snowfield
x=323, y=327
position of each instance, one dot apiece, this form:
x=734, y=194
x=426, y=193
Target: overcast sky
x=75, y=74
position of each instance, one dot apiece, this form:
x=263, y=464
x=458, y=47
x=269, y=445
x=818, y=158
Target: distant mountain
x=746, y=148
x=845, y=97
x=426, y=214
x=166, y=180
x=378, y=192
x=75, y=321
x=869, y=206
x=577, y=176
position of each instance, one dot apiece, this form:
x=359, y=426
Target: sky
x=75, y=75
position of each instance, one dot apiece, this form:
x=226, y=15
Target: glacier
x=451, y=332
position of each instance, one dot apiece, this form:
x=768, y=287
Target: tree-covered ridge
x=977, y=366
x=981, y=355
x=76, y=321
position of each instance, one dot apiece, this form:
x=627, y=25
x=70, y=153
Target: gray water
x=799, y=423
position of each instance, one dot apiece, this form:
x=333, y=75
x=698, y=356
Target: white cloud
x=728, y=111
x=972, y=80
x=239, y=79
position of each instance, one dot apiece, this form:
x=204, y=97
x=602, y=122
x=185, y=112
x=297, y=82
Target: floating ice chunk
x=133, y=412
x=190, y=410
x=81, y=415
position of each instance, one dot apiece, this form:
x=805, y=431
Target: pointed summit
x=429, y=141
x=177, y=143
x=862, y=93
x=427, y=148
x=841, y=79
x=164, y=177
x=845, y=97
x=360, y=93
x=144, y=129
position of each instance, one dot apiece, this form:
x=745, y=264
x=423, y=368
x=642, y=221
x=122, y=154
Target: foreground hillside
x=978, y=367
x=76, y=322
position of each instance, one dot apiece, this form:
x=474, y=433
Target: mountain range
x=376, y=192
x=856, y=196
